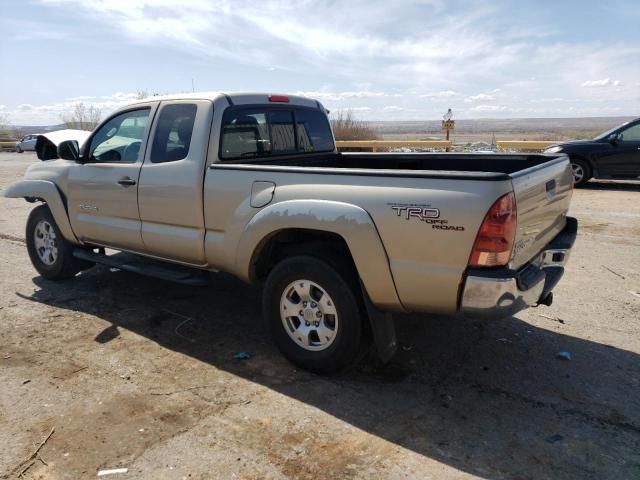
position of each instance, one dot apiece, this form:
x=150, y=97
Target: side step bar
x=146, y=266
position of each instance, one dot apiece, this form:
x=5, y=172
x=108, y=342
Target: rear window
x=262, y=132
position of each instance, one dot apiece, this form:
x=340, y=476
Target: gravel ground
x=138, y=373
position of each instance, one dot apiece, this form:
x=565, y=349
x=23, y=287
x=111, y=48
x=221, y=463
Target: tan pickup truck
x=252, y=184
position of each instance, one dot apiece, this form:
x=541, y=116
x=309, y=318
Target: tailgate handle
x=551, y=186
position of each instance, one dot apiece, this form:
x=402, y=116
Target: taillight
x=495, y=238
x=279, y=98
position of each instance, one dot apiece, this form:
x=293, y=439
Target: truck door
x=628, y=161
x=103, y=191
x=170, y=193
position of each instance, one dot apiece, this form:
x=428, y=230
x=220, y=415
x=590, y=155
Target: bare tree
x=346, y=127
x=6, y=130
x=83, y=117
x=140, y=94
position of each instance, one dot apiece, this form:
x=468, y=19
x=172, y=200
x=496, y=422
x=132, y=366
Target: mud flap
x=383, y=328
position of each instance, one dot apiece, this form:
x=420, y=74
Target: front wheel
x=19, y=150
x=314, y=313
x=51, y=255
x=581, y=172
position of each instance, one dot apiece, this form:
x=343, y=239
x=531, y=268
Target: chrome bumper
x=502, y=293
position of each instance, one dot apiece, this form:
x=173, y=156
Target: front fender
x=47, y=192
x=351, y=222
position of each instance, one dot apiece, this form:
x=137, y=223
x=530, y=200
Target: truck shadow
x=618, y=186
x=487, y=398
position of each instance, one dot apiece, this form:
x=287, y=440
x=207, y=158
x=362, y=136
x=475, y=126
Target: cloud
x=489, y=108
x=2, y=107
x=442, y=94
x=337, y=96
x=50, y=113
x=480, y=97
x=605, y=82
x=393, y=108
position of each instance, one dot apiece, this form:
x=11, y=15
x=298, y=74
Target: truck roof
x=237, y=98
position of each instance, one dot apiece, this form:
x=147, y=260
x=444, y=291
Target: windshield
x=604, y=135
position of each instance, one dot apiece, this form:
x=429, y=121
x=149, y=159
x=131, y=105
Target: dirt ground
x=139, y=373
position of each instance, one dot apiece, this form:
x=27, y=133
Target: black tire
x=65, y=264
x=580, y=165
x=346, y=297
x=19, y=150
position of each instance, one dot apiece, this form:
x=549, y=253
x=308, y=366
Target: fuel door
x=262, y=193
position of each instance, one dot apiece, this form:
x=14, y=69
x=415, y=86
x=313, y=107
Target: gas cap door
x=262, y=193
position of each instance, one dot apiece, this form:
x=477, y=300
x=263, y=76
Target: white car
x=28, y=142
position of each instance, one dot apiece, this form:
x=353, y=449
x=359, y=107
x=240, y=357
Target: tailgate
x=542, y=195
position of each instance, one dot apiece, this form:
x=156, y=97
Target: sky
x=384, y=60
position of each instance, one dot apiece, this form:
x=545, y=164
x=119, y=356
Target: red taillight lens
x=496, y=235
x=279, y=98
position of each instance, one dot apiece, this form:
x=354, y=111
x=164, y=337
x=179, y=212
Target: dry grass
x=346, y=127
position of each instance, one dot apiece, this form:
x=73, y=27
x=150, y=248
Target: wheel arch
x=47, y=192
x=344, y=227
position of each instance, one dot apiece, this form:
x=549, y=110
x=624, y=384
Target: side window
x=172, y=137
x=245, y=134
x=631, y=134
x=119, y=139
x=314, y=132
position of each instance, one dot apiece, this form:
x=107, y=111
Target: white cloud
x=605, y=82
x=337, y=96
x=489, y=108
x=480, y=97
x=393, y=108
x=442, y=94
x=50, y=113
x=2, y=107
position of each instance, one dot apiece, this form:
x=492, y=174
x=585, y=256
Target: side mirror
x=614, y=138
x=69, y=150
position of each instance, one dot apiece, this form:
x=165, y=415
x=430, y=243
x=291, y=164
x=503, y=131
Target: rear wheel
x=51, y=255
x=581, y=171
x=314, y=313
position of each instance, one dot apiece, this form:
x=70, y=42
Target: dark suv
x=613, y=154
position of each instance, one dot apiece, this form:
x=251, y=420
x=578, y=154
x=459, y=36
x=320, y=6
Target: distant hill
x=511, y=125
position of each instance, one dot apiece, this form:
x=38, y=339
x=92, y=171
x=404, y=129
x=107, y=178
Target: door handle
x=126, y=181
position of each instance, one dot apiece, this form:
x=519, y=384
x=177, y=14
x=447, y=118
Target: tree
x=83, y=117
x=6, y=131
x=346, y=127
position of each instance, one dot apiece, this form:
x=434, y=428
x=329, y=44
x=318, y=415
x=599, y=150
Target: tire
x=581, y=171
x=338, y=326
x=43, y=235
x=19, y=150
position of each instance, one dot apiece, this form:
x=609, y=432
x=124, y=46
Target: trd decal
x=422, y=213
x=425, y=213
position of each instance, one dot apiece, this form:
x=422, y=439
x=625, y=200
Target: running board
x=146, y=266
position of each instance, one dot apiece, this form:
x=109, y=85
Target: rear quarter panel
x=427, y=262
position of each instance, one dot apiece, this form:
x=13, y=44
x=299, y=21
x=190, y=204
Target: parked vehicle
x=27, y=143
x=252, y=184
x=612, y=154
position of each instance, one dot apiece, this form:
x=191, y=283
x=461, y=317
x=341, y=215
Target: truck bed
x=498, y=163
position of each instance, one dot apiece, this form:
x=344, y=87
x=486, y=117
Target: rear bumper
x=504, y=292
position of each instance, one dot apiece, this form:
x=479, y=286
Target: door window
x=631, y=134
x=172, y=137
x=119, y=140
